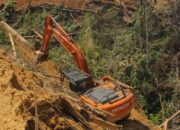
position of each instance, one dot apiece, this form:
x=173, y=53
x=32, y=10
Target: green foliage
x=7, y=12
x=31, y=21
x=3, y=38
x=156, y=119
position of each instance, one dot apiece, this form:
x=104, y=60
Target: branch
x=38, y=34
x=31, y=37
x=12, y=43
x=165, y=123
x=27, y=8
x=69, y=9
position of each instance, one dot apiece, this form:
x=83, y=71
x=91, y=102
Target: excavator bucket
x=40, y=56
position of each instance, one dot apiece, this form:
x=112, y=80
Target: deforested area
x=89, y=64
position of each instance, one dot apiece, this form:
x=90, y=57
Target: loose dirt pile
x=24, y=101
x=21, y=91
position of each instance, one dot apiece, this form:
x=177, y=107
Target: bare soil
x=23, y=92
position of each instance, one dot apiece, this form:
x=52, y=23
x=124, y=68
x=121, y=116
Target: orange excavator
x=113, y=97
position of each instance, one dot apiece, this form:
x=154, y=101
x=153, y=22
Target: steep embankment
x=27, y=101
x=22, y=91
x=27, y=91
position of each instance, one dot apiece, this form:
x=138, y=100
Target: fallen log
x=87, y=118
x=67, y=106
x=19, y=41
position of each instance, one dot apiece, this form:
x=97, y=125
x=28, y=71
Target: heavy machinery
x=106, y=94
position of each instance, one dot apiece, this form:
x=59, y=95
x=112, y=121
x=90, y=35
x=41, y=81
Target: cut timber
x=67, y=105
x=84, y=116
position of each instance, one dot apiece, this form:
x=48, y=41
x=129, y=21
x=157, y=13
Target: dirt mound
x=21, y=90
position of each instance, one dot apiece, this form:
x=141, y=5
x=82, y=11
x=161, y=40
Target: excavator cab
x=79, y=80
x=104, y=95
x=111, y=96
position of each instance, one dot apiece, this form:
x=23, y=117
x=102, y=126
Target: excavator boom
x=64, y=40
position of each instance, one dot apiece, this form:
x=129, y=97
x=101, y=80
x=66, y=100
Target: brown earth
x=20, y=91
x=23, y=92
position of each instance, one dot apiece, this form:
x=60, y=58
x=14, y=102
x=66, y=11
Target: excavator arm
x=63, y=38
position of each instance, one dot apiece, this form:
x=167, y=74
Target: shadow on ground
x=129, y=124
